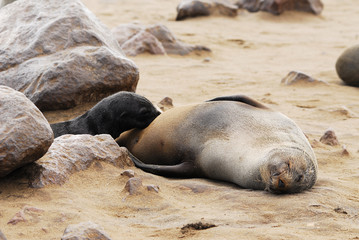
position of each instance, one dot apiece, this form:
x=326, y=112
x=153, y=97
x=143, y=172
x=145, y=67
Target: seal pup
x=112, y=115
x=231, y=138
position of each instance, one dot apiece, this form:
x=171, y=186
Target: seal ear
x=239, y=98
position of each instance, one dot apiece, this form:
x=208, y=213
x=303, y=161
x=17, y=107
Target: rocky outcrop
x=277, y=7
x=155, y=39
x=347, y=66
x=60, y=55
x=73, y=153
x=25, y=134
x=195, y=8
x=85, y=230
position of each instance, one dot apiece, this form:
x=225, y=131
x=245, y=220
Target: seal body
x=112, y=115
x=231, y=139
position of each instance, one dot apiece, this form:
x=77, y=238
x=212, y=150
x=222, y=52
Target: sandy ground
x=250, y=55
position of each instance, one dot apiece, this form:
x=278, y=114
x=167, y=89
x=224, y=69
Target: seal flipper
x=239, y=98
x=184, y=169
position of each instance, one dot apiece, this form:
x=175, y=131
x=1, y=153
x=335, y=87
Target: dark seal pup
x=112, y=115
x=234, y=139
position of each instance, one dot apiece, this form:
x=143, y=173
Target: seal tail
x=182, y=170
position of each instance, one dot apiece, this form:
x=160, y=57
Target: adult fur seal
x=234, y=139
x=112, y=115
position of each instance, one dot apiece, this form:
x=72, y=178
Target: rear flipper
x=239, y=98
x=182, y=170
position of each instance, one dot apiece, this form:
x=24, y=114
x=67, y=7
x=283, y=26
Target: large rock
x=347, y=66
x=155, y=39
x=59, y=55
x=85, y=231
x=195, y=8
x=73, y=153
x=25, y=134
x=277, y=7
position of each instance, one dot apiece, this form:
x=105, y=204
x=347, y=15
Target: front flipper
x=239, y=98
x=182, y=170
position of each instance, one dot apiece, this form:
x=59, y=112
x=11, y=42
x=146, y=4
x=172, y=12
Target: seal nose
x=280, y=183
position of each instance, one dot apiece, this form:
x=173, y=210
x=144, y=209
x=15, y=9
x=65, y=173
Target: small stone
x=329, y=138
x=153, y=188
x=134, y=185
x=345, y=151
x=195, y=8
x=83, y=231
x=295, y=77
x=165, y=104
x=277, y=7
x=128, y=173
x=207, y=59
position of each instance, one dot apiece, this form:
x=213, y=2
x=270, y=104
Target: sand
x=250, y=55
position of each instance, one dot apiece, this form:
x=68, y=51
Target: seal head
x=288, y=170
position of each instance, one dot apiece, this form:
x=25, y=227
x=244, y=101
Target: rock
x=329, y=138
x=85, y=231
x=25, y=134
x=60, y=55
x=153, y=188
x=134, y=40
x=277, y=7
x=143, y=42
x=2, y=4
x=73, y=153
x=347, y=66
x=155, y=39
x=165, y=104
x=32, y=212
x=128, y=173
x=195, y=8
x=295, y=77
x=2, y=236
x=345, y=151
x=134, y=186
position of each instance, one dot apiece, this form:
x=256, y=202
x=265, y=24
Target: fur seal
x=231, y=138
x=112, y=115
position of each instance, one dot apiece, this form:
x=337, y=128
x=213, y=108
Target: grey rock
x=165, y=104
x=155, y=39
x=329, y=138
x=73, y=153
x=195, y=8
x=277, y=7
x=85, y=231
x=60, y=55
x=134, y=186
x=25, y=134
x=295, y=77
x=128, y=173
x=347, y=66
